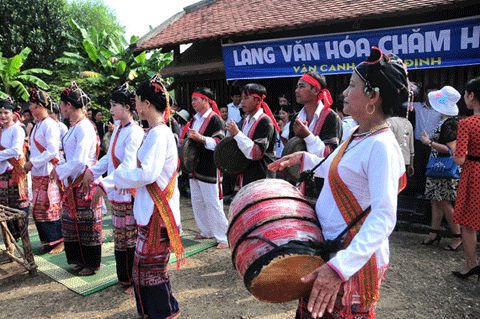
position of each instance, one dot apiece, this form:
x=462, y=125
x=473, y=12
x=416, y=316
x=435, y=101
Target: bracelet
x=203, y=139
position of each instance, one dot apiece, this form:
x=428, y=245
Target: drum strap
x=350, y=210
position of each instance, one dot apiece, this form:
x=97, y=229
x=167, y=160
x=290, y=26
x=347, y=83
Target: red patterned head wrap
x=324, y=94
x=212, y=102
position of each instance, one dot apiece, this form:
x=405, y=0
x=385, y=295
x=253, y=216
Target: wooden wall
x=454, y=76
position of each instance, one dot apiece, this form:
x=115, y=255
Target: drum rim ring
x=264, y=199
x=269, y=220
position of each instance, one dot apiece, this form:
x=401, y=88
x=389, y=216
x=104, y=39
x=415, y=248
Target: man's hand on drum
x=194, y=135
x=300, y=128
x=289, y=160
x=325, y=289
x=232, y=128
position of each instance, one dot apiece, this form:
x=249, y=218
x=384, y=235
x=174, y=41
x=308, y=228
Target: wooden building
x=208, y=24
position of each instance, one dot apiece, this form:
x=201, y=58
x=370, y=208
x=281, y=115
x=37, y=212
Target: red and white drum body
x=271, y=225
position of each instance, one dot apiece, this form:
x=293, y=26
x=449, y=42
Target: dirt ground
x=419, y=284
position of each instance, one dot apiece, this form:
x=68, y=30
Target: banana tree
x=13, y=78
x=104, y=59
x=95, y=55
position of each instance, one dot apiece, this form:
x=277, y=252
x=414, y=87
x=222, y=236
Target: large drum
x=272, y=232
x=228, y=158
x=189, y=155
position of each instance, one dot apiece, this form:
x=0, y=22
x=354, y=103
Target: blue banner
x=432, y=45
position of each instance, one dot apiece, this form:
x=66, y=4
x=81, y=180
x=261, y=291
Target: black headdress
x=124, y=95
x=75, y=96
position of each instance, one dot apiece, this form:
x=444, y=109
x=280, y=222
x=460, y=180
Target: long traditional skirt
x=125, y=240
x=15, y=196
x=153, y=292
x=82, y=230
x=347, y=304
x=46, y=210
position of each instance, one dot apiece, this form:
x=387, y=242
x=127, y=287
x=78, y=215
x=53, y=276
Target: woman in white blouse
x=366, y=170
x=122, y=153
x=81, y=225
x=156, y=208
x=13, y=181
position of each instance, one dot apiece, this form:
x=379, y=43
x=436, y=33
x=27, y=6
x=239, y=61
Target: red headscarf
x=324, y=94
x=212, y=102
x=265, y=107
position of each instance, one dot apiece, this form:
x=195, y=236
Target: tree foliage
x=37, y=24
x=94, y=13
x=103, y=58
x=13, y=79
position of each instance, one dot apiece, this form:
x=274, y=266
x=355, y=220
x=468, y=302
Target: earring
x=366, y=109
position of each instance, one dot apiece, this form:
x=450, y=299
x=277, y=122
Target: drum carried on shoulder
x=273, y=232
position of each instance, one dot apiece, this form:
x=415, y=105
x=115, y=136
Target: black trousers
x=422, y=154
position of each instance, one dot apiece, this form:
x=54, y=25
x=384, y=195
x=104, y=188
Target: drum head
x=229, y=158
x=279, y=281
x=189, y=155
x=296, y=144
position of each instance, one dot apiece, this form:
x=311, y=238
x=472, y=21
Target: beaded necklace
x=371, y=131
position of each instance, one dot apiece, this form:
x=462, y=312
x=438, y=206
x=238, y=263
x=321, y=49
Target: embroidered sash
x=42, y=149
x=18, y=177
x=163, y=212
x=116, y=161
x=350, y=208
x=69, y=194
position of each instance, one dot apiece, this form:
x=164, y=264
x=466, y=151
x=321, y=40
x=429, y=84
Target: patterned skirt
x=46, y=210
x=348, y=304
x=153, y=292
x=14, y=195
x=82, y=230
x=125, y=239
x=440, y=189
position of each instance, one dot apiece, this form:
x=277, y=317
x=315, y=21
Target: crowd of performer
x=140, y=165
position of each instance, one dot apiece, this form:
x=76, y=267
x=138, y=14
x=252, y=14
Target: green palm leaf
x=33, y=79
x=91, y=51
x=20, y=90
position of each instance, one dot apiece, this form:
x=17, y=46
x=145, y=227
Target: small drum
x=272, y=229
x=295, y=144
x=228, y=158
x=189, y=155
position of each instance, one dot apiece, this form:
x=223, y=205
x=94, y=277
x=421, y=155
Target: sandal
x=437, y=238
x=450, y=247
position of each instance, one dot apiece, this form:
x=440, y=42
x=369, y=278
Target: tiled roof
x=210, y=19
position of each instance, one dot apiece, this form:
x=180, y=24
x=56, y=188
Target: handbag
x=442, y=167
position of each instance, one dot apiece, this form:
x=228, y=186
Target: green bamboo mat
x=56, y=267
